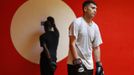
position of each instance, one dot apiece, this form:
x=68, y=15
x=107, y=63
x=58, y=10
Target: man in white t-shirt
x=84, y=38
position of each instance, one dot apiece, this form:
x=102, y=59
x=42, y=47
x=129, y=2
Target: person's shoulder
x=78, y=21
x=95, y=26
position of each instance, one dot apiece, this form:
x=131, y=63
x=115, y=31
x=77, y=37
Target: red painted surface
x=115, y=19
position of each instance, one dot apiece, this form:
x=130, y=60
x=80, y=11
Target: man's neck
x=87, y=19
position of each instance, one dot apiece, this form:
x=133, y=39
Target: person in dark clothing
x=49, y=41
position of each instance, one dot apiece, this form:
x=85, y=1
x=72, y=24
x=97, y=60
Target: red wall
x=115, y=19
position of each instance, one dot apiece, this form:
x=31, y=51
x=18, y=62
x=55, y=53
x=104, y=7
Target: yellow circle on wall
x=26, y=29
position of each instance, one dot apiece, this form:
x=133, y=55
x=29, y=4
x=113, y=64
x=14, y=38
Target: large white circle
x=26, y=29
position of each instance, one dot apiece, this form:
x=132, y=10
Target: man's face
x=90, y=10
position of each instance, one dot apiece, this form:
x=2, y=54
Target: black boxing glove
x=79, y=67
x=52, y=65
x=99, y=69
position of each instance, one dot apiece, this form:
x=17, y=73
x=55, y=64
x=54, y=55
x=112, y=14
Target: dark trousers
x=44, y=67
x=71, y=70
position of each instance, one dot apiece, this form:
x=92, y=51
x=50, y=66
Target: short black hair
x=51, y=19
x=87, y=2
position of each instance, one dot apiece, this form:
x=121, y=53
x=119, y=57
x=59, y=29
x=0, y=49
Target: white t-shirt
x=87, y=37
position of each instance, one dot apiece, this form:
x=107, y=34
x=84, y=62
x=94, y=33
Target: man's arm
x=72, y=40
x=77, y=62
x=47, y=51
x=97, y=53
x=78, y=66
x=55, y=28
x=99, y=68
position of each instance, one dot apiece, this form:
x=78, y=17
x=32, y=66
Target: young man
x=84, y=38
x=49, y=41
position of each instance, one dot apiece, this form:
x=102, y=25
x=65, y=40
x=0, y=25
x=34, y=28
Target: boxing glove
x=79, y=67
x=99, y=69
x=52, y=65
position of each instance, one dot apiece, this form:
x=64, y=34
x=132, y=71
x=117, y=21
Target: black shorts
x=71, y=70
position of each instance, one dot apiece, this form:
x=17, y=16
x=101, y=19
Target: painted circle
x=26, y=29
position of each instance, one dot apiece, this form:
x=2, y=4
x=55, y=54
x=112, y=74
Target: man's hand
x=99, y=69
x=52, y=65
x=79, y=67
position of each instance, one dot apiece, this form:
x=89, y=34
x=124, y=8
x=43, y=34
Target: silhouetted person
x=49, y=41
